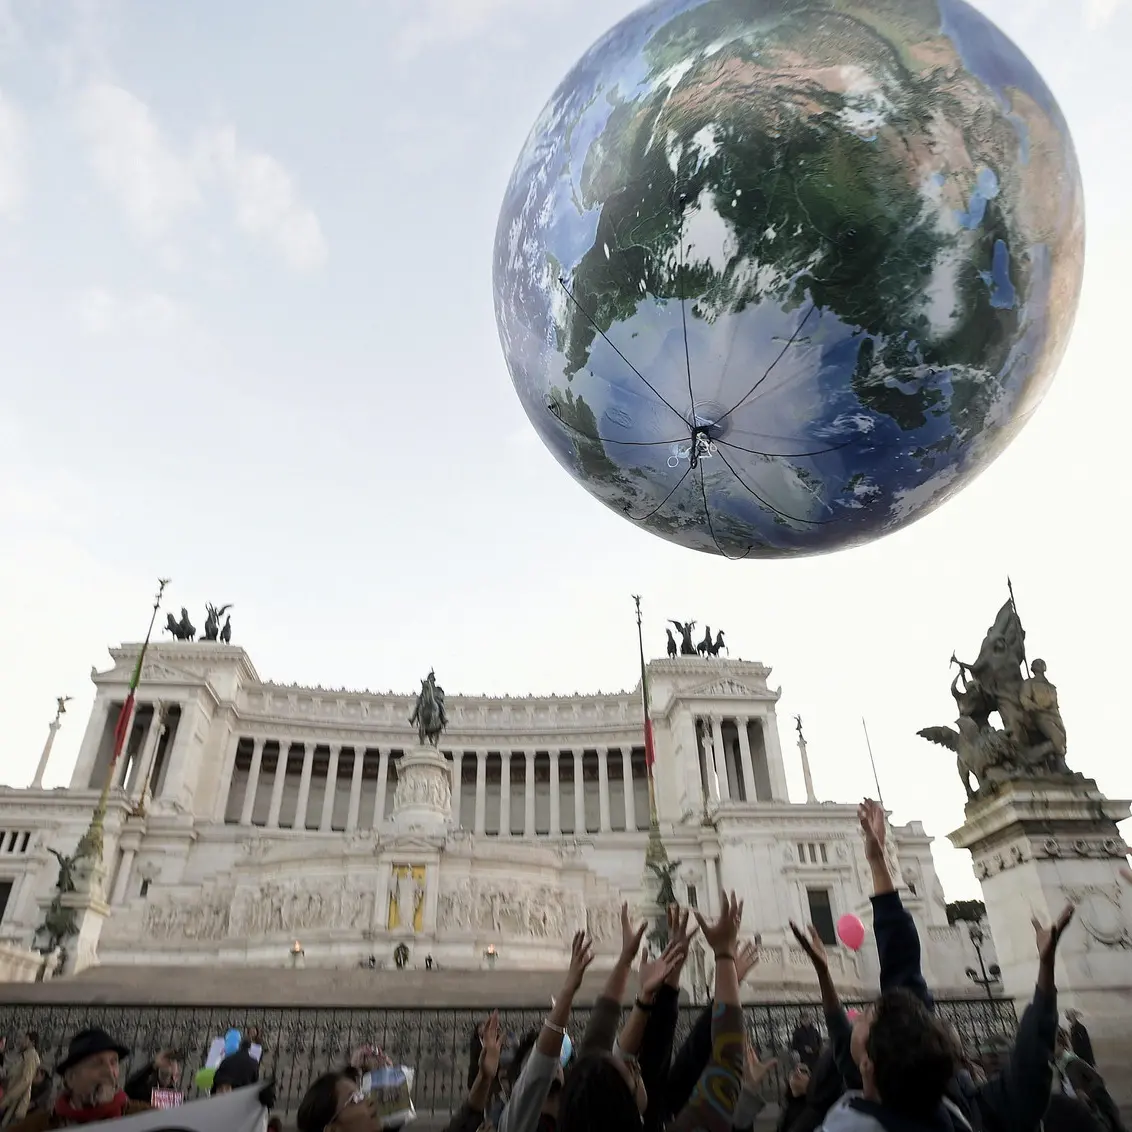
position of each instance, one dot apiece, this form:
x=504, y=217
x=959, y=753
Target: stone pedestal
x=422, y=802
x=90, y=911
x=1037, y=845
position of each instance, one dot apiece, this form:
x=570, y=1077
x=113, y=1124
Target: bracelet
x=553, y=1028
x=725, y=955
x=640, y=1004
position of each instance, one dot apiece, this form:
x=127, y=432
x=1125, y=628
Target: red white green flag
x=126, y=715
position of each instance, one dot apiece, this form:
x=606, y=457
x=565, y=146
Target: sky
x=249, y=344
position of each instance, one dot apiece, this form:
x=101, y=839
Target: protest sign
x=239, y=1111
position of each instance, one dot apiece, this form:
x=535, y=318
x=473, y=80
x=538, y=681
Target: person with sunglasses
x=336, y=1103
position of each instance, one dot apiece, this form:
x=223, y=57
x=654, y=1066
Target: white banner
x=230, y=1112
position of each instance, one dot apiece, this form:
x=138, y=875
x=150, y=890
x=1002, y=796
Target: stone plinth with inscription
x=422, y=802
x=1037, y=845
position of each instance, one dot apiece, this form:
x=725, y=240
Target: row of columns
x=251, y=790
x=718, y=784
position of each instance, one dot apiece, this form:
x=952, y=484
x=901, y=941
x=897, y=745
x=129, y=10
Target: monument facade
x=245, y=817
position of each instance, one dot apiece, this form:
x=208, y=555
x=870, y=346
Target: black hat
x=88, y=1043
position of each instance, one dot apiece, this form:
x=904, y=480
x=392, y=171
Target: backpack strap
x=957, y=1113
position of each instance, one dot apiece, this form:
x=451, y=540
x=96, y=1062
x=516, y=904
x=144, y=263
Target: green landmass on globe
x=775, y=278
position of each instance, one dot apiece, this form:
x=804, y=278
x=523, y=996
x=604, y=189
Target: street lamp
x=298, y=955
x=985, y=977
x=491, y=954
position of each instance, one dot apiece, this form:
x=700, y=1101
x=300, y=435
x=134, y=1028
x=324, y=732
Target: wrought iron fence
x=302, y=1042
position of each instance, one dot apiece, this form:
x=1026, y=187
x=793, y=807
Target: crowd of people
x=892, y=1067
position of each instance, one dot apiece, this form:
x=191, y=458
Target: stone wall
x=18, y=965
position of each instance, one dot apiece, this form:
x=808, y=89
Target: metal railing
x=301, y=1043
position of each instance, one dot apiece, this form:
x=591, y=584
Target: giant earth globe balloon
x=777, y=277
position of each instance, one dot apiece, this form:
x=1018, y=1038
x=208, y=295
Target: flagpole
x=655, y=852
x=872, y=761
x=1014, y=606
x=90, y=846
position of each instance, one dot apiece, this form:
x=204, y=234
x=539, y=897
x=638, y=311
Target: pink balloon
x=851, y=931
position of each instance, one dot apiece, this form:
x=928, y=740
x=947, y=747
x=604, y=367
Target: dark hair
x=33, y=1037
x=522, y=1052
x=319, y=1105
x=595, y=1098
x=275, y=1122
x=913, y=1055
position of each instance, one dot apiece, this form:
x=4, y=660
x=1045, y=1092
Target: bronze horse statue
x=183, y=630
x=429, y=715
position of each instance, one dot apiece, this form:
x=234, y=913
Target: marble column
x=630, y=793
x=481, y=792
x=356, y=787
x=92, y=742
x=253, y=783
x=555, y=797
x=383, y=758
x=779, y=791
x=226, y=774
x=277, y=784
x=709, y=765
x=505, y=794
x=745, y=758
x=579, y=796
x=603, y=788
x=720, y=759
x=331, y=790
x=149, y=751
x=300, y=822
x=123, y=877
x=457, y=785
x=529, y=798
x=41, y=769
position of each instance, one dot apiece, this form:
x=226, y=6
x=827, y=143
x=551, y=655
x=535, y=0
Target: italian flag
x=126, y=715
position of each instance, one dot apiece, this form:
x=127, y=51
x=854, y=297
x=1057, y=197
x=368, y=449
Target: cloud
x=432, y=23
x=158, y=185
x=12, y=157
x=154, y=186
x=266, y=201
x=1099, y=12
x=104, y=314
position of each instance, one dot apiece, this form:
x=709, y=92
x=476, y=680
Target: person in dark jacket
x=236, y=1071
x=163, y=1072
x=1079, y=1039
x=806, y=1042
x=1015, y=1099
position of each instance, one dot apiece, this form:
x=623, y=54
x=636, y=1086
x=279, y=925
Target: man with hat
x=90, y=1086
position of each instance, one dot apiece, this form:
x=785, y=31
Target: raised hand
x=874, y=827
x=755, y=1072
x=653, y=972
x=746, y=960
x=492, y=1040
x=723, y=935
x=631, y=937
x=678, y=925
x=811, y=944
x=581, y=956
x=1048, y=938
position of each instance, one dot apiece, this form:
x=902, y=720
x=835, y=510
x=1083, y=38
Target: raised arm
x=1016, y=1098
x=712, y=1104
x=469, y=1117
x=651, y=977
x=606, y=1015
x=898, y=942
x=533, y=1086
x=836, y=1020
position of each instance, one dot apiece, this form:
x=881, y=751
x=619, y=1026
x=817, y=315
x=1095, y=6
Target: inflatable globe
x=777, y=277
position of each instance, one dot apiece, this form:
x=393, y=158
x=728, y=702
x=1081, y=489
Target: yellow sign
x=407, y=897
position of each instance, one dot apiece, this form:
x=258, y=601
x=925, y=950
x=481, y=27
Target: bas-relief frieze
x=1049, y=849
x=504, y=909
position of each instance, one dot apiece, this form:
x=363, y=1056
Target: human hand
x=631, y=937
x=581, y=956
x=811, y=944
x=746, y=960
x=799, y=1080
x=723, y=935
x=653, y=972
x=678, y=919
x=874, y=827
x=755, y=1072
x=492, y=1042
x=1048, y=938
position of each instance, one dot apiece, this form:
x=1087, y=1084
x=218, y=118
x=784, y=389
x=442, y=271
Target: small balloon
x=232, y=1042
x=851, y=931
x=567, y=1050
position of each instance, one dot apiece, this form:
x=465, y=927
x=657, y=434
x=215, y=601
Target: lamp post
x=298, y=955
x=491, y=954
x=985, y=977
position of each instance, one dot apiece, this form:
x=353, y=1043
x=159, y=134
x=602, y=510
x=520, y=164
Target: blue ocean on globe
x=778, y=277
